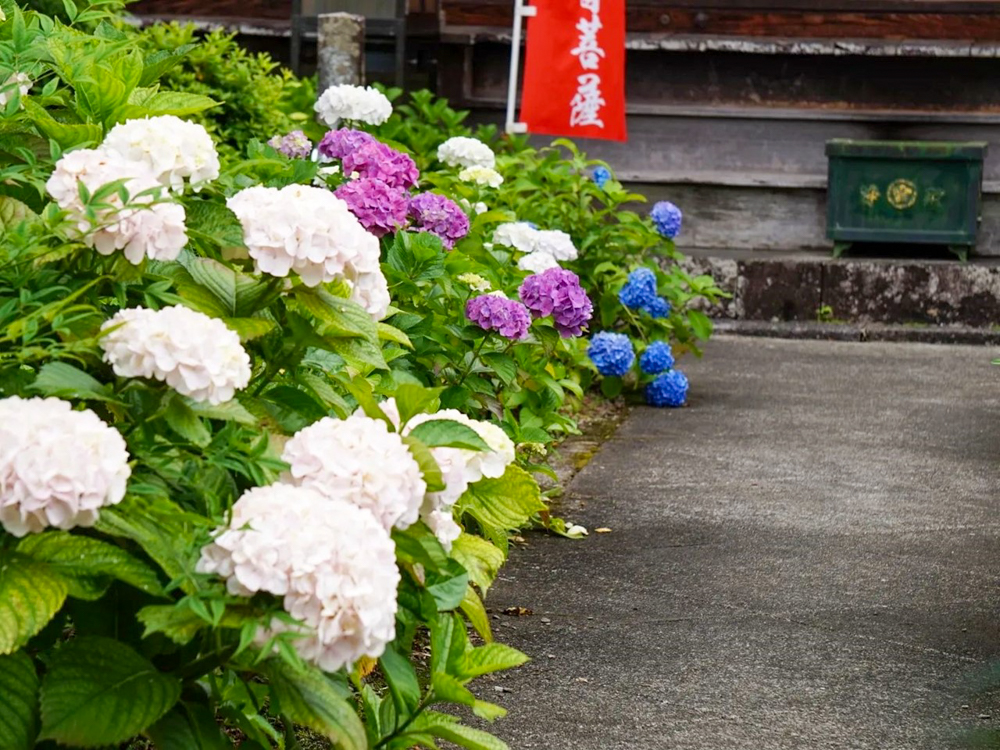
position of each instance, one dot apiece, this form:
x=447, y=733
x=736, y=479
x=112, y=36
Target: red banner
x=574, y=69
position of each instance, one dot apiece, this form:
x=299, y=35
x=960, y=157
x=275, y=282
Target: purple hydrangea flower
x=507, y=317
x=295, y=145
x=436, y=214
x=667, y=218
x=380, y=208
x=379, y=162
x=337, y=144
x=557, y=292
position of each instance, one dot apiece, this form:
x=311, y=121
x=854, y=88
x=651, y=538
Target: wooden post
x=340, y=56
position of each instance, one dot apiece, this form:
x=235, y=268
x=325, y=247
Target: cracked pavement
x=804, y=557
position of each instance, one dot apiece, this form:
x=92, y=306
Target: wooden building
x=731, y=102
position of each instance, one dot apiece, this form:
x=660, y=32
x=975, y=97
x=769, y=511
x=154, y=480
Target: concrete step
x=811, y=287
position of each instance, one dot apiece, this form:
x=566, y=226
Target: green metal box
x=904, y=191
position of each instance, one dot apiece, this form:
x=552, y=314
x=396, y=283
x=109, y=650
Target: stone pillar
x=340, y=51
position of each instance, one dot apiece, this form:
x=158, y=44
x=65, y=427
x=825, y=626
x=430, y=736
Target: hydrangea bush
x=227, y=510
x=269, y=419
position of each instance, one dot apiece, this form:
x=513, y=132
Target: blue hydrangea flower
x=601, y=176
x=611, y=353
x=639, y=290
x=657, y=358
x=669, y=389
x=657, y=307
x=667, y=218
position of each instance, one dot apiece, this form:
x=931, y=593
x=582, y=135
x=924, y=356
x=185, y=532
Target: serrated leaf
x=159, y=62
x=506, y=503
x=447, y=585
x=215, y=222
x=30, y=595
x=185, y=422
x=13, y=212
x=19, y=706
x=472, y=607
x=493, y=657
x=448, y=689
x=98, y=692
x=417, y=544
x=170, y=103
x=64, y=380
x=700, y=323
x=230, y=411
x=179, y=624
x=447, y=433
x=189, y=726
x=154, y=525
x=503, y=365
x=481, y=559
x=88, y=564
x=402, y=679
x=250, y=328
x=451, y=729
x=306, y=696
x=414, y=399
x=387, y=332
x=340, y=317
x=428, y=466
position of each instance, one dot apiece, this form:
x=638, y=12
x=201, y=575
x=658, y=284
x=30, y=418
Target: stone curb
x=852, y=332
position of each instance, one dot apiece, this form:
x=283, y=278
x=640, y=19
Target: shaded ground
x=805, y=557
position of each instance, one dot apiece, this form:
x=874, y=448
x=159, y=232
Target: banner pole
x=521, y=11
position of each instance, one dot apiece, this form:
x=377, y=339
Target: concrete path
x=807, y=557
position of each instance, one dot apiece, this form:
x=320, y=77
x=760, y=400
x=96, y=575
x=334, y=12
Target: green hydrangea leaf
x=19, y=707
x=99, y=692
x=31, y=593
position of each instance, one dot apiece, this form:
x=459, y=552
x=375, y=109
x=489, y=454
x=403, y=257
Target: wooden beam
x=974, y=20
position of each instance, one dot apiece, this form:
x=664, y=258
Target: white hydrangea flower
x=480, y=208
x=371, y=291
x=461, y=151
x=155, y=230
x=172, y=148
x=459, y=469
x=556, y=243
x=332, y=562
x=358, y=103
x=442, y=523
x=359, y=460
x=15, y=81
x=304, y=229
x=481, y=176
x=475, y=282
x=194, y=354
x=494, y=462
x=537, y=262
x=58, y=467
x=519, y=235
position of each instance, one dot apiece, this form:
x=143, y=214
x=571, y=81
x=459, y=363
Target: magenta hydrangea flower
x=557, y=292
x=439, y=215
x=380, y=208
x=379, y=162
x=507, y=317
x=337, y=144
x=295, y=145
